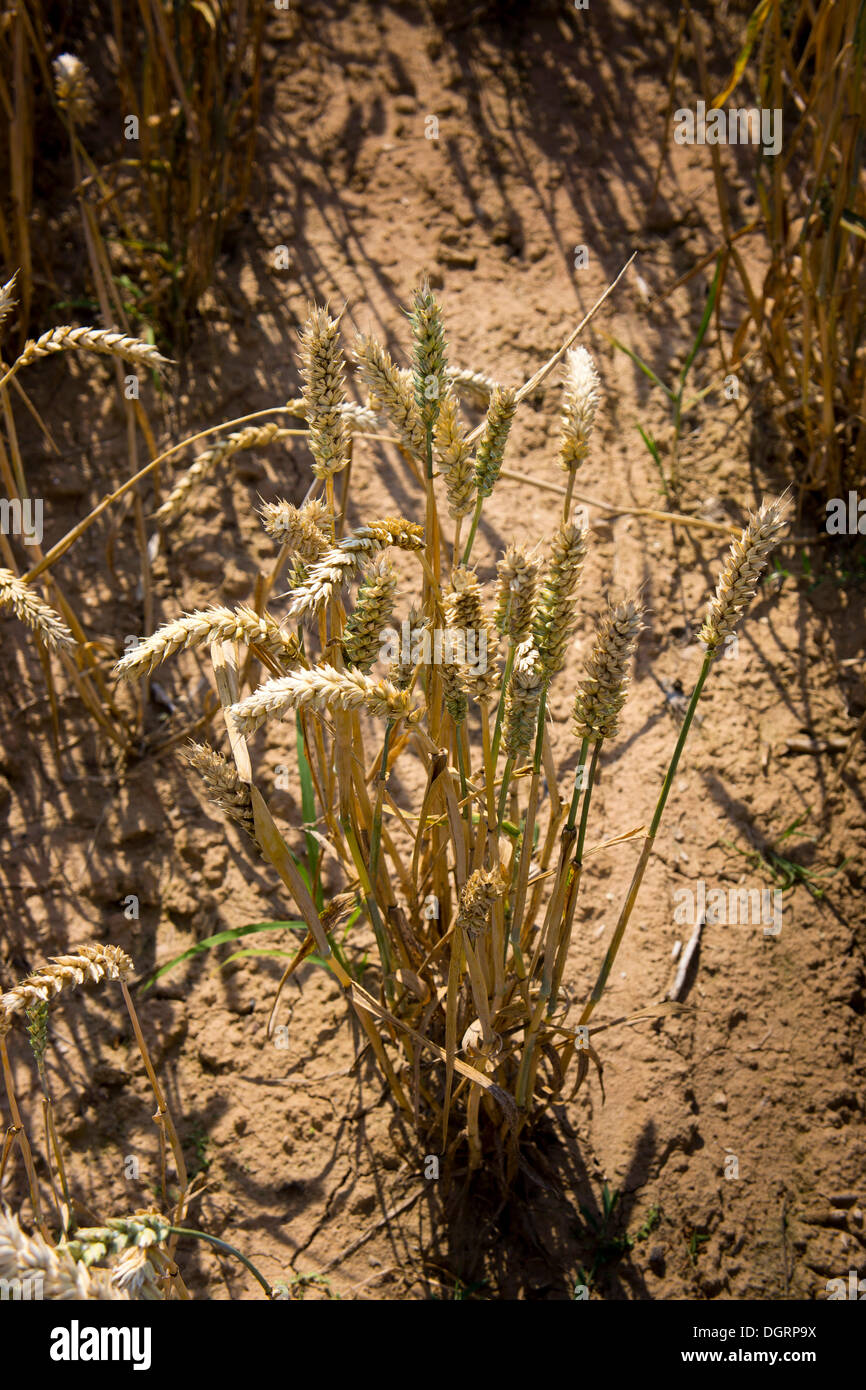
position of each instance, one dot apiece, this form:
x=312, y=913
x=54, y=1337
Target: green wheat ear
x=428, y=362
x=37, y=1032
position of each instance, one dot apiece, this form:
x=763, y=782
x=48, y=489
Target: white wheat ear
x=54, y=1273
x=7, y=303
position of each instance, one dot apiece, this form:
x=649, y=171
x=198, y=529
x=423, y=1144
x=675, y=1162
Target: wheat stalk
x=88, y=963
x=31, y=609
x=203, y=628
x=324, y=688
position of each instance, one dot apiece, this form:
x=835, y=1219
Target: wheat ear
x=253, y=437
x=579, y=406
x=201, y=629
x=394, y=391
x=555, y=619
x=428, y=360
x=31, y=609
x=522, y=699
x=462, y=600
x=7, y=303
x=516, y=593
x=300, y=528
x=91, y=1245
x=29, y=1257
x=401, y=671
x=738, y=581
x=224, y=786
x=476, y=386
x=99, y=340
x=454, y=457
x=483, y=683
x=138, y=1271
x=477, y=897
x=453, y=690
x=338, y=565
x=601, y=693
x=491, y=446
x=360, y=419
x=74, y=88
x=323, y=372
x=88, y=963
x=322, y=687
x=374, y=607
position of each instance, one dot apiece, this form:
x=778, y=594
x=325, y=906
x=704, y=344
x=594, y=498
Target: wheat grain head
x=32, y=610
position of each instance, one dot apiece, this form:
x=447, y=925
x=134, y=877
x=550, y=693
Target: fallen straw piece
x=686, y=958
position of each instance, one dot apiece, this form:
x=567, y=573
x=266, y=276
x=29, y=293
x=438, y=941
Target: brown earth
x=549, y=128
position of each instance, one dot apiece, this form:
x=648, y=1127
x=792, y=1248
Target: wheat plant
x=470, y=892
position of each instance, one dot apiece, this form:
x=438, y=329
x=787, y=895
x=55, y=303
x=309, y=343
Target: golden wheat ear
x=322, y=688
x=516, y=593
x=202, y=629
x=602, y=692
x=63, y=973
x=738, y=581
x=27, y=606
x=323, y=372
